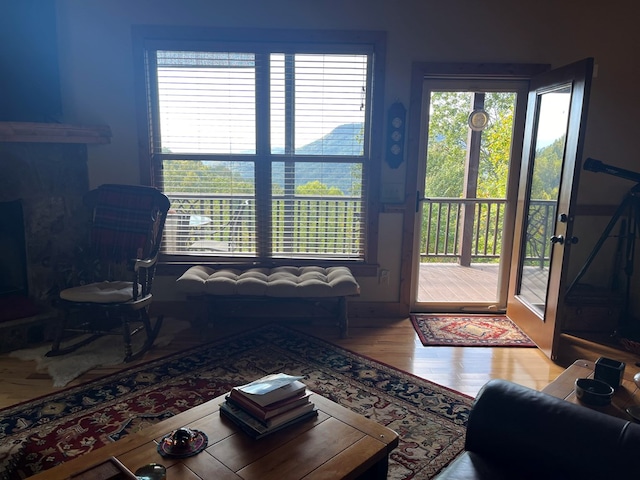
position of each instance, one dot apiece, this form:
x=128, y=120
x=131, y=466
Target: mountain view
x=345, y=139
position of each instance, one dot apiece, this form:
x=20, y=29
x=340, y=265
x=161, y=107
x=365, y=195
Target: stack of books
x=268, y=404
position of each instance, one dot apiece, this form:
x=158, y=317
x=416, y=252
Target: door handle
x=560, y=239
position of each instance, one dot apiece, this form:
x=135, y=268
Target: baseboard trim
x=377, y=310
x=178, y=308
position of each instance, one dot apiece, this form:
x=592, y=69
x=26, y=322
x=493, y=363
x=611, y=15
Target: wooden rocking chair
x=125, y=235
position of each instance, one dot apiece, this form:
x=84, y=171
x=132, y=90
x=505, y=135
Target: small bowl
x=593, y=392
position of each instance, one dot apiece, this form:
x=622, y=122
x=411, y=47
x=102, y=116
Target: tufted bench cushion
x=281, y=282
x=309, y=282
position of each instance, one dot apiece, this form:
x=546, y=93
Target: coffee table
x=625, y=396
x=338, y=443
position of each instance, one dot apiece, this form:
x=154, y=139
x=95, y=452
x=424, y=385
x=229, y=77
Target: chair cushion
x=283, y=282
x=100, y=292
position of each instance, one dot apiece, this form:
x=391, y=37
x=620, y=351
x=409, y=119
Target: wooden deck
x=450, y=282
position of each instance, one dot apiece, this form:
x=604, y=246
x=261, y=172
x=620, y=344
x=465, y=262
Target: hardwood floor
x=391, y=341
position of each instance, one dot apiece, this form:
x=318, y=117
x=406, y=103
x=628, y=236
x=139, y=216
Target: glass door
x=466, y=194
x=554, y=134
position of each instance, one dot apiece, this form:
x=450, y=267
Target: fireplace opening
x=13, y=257
x=14, y=284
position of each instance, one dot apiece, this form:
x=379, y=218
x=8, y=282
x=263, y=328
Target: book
x=271, y=410
x=271, y=388
x=289, y=415
x=257, y=429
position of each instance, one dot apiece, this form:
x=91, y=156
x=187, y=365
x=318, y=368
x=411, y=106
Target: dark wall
x=29, y=75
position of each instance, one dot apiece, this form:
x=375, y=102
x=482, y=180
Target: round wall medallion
x=478, y=120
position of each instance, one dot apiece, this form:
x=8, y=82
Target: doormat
x=455, y=330
x=430, y=419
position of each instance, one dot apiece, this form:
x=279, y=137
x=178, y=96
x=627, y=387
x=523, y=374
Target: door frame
x=416, y=145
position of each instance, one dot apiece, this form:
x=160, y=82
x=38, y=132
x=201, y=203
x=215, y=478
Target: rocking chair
x=125, y=235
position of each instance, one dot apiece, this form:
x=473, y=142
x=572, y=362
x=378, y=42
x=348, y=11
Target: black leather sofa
x=515, y=432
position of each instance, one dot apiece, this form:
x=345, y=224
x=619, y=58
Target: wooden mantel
x=53, y=133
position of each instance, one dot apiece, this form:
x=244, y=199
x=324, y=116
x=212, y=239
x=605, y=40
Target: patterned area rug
x=429, y=419
x=468, y=331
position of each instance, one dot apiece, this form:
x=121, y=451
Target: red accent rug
x=456, y=330
x=430, y=419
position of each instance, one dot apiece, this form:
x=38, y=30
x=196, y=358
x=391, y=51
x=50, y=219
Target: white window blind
x=207, y=102
x=317, y=218
x=212, y=208
x=288, y=183
x=326, y=94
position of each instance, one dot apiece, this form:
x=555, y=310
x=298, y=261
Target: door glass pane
x=465, y=196
x=546, y=170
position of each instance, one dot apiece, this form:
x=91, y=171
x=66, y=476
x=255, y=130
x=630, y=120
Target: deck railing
x=300, y=225
x=471, y=230
x=454, y=229
x=540, y=227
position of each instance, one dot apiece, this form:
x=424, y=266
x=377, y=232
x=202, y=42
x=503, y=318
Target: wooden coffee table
x=626, y=395
x=337, y=444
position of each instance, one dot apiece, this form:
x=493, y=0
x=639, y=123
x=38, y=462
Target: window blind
x=207, y=102
x=213, y=147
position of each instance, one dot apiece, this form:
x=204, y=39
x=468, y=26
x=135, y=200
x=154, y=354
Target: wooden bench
x=304, y=287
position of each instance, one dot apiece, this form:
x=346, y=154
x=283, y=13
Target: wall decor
x=396, y=128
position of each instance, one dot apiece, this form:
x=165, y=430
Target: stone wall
x=50, y=180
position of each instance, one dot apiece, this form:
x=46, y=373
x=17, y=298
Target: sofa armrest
x=526, y=429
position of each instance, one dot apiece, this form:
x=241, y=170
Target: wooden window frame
x=147, y=38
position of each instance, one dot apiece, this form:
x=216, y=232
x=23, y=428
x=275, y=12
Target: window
x=264, y=151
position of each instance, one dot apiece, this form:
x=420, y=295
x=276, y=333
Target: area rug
x=430, y=419
x=105, y=351
x=468, y=331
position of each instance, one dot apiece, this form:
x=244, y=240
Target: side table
x=626, y=395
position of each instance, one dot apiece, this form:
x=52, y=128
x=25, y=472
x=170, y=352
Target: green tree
x=318, y=189
x=194, y=176
x=495, y=153
x=447, y=145
x=449, y=134
x=548, y=167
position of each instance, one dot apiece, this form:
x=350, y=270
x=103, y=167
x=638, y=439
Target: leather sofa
x=515, y=432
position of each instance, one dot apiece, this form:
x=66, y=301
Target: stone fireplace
x=43, y=176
